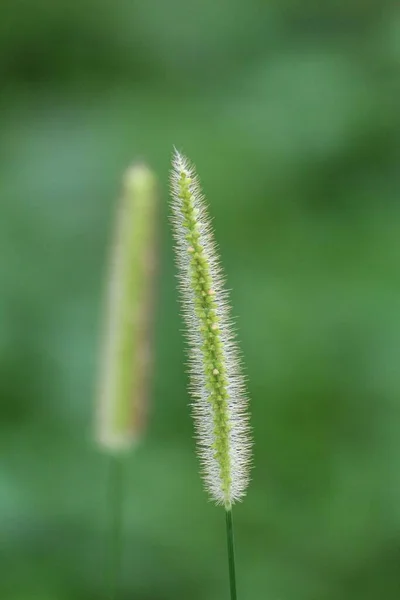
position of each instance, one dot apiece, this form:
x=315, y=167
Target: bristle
x=220, y=406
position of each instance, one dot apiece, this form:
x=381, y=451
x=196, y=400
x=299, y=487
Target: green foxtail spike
x=122, y=395
x=220, y=404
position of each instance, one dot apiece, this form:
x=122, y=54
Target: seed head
x=126, y=360
x=217, y=384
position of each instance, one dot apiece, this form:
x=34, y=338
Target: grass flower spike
x=126, y=352
x=220, y=407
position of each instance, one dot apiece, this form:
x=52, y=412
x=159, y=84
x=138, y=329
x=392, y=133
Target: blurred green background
x=290, y=111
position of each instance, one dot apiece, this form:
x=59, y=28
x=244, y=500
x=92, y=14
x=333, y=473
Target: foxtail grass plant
x=220, y=406
x=126, y=352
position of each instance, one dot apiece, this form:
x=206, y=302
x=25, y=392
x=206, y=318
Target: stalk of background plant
x=126, y=360
x=220, y=405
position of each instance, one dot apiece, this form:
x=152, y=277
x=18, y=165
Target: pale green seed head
x=125, y=363
x=220, y=404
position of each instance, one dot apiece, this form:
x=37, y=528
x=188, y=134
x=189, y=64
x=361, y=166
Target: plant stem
x=231, y=552
x=116, y=493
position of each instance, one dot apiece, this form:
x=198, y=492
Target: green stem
x=231, y=553
x=116, y=493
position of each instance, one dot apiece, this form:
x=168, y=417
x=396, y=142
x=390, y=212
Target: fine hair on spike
x=220, y=404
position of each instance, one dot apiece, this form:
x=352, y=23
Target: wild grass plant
x=220, y=405
x=126, y=359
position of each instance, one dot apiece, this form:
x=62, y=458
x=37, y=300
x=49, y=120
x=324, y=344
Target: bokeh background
x=290, y=111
